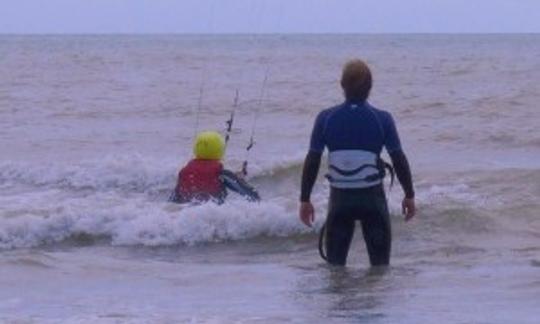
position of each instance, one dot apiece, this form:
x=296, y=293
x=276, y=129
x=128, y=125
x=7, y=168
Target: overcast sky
x=267, y=16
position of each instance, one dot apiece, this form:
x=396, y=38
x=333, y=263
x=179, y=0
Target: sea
x=94, y=128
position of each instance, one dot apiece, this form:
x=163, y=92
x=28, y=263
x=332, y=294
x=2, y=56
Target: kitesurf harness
x=354, y=169
x=200, y=180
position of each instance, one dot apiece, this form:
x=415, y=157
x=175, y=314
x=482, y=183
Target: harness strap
x=390, y=168
x=322, y=236
x=351, y=172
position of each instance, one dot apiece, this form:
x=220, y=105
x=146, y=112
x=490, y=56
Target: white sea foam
x=126, y=207
x=114, y=172
x=124, y=199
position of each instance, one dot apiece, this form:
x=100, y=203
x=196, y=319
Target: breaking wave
x=126, y=173
x=123, y=201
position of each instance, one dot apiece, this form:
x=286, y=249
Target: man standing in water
x=355, y=133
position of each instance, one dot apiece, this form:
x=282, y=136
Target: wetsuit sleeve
x=317, y=142
x=403, y=172
x=239, y=185
x=309, y=174
x=391, y=137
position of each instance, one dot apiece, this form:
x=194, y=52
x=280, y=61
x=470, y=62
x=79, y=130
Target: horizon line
x=255, y=33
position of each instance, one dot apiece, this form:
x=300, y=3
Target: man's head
x=209, y=146
x=356, y=80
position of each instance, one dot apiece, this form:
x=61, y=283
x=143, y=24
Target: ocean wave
x=52, y=216
x=123, y=200
x=111, y=202
x=140, y=222
x=127, y=173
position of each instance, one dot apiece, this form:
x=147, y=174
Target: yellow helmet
x=209, y=146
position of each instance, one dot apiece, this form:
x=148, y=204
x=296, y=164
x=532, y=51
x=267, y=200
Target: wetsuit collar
x=354, y=103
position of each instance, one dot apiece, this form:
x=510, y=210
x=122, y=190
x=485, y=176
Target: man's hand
x=307, y=213
x=408, y=208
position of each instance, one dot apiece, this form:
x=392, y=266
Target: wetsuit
x=240, y=186
x=354, y=134
x=228, y=180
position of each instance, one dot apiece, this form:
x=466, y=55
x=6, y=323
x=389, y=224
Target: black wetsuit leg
x=368, y=206
x=376, y=228
x=339, y=230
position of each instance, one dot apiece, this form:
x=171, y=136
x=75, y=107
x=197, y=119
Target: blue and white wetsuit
x=355, y=134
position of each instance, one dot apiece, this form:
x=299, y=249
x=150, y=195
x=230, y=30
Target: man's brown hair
x=356, y=80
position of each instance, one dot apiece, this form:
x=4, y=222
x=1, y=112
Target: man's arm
x=401, y=165
x=309, y=174
x=311, y=169
x=403, y=172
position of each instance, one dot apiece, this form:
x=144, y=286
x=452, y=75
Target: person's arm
x=239, y=185
x=309, y=174
x=311, y=169
x=401, y=166
x=403, y=172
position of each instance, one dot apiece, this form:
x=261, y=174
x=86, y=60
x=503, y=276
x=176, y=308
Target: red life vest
x=199, y=180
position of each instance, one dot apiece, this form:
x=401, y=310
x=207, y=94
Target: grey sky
x=255, y=16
